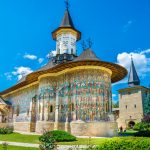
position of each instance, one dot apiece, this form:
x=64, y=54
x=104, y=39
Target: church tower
x=133, y=79
x=132, y=100
x=66, y=37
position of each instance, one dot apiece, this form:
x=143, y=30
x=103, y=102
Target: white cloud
x=127, y=26
x=51, y=54
x=29, y=56
x=114, y=95
x=145, y=51
x=141, y=62
x=21, y=71
x=40, y=60
x=123, y=81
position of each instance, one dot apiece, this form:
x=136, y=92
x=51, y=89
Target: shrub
x=62, y=136
x=125, y=144
x=47, y=141
x=6, y=130
x=146, y=118
x=141, y=126
x=143, y=133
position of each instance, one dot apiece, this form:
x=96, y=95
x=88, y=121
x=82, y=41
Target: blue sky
x=118, y=28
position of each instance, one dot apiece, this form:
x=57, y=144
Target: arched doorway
x=131, y=124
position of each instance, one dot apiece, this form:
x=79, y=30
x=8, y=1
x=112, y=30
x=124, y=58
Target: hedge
x=6, y=130
x=125, y=144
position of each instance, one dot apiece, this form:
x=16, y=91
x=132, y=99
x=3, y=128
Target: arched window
x=58, y=51
x=51, y=108
x=28, y=112
x=17, y=110
x=72, y=107
x=72, y=51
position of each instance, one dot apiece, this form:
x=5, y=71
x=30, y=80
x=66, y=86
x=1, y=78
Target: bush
x=143, y=133
x=141, y=126
x=47, y=141
x=6, y=130
x=146, y=118
x=62, y=136
x=125, y=144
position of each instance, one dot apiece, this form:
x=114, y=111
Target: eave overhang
x=118, y=72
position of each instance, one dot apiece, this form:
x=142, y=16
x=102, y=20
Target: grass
x=128, y=133
x=17, y=137
x=18, y=148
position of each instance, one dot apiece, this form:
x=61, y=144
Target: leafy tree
x=115, y=104
x=146, y=118
x=47, y=141
x=147, y=104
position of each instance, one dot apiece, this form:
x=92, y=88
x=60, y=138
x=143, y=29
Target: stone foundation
x=99, y=129
x=6, y=125
x=43, y=125
x=22, y=126
x=77, y=128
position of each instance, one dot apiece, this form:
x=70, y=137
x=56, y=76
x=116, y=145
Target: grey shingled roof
x=87, y=54
x=67, y=20
x=50, y=64
x=133, y=79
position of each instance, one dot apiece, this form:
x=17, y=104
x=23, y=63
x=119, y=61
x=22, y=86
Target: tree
x=147, y=104
x=115, y=104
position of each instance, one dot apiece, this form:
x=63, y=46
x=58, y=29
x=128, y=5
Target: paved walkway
x=60, y=147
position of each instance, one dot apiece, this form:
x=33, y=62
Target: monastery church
x=71, y=92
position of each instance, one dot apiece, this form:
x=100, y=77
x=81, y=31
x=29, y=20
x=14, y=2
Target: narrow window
x=28, y=112
x=135, y=106
x=58, y=51
x=72, y=107
x=72, y=51
x=126, y=106
x=17, y=110
x=51, y=109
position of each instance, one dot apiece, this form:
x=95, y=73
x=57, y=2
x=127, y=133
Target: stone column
x=43, y=111
x=67, y=124
x=46, y=112
x=0, y=117
x=56, y=124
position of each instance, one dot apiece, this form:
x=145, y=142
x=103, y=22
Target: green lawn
x=127, y=133
x=18, y=148
x=16, y=137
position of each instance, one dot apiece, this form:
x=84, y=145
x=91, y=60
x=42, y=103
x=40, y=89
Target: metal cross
x=83, y=45
x=131, y=57
x=67, y=4
x=90, y=43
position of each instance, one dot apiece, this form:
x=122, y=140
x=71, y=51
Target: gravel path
x=60, y=147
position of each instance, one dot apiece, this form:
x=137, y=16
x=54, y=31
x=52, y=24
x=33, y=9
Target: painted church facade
x=71, y=93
